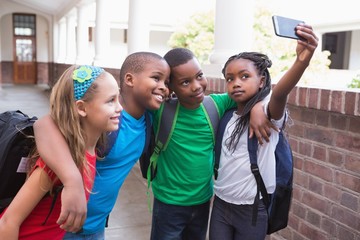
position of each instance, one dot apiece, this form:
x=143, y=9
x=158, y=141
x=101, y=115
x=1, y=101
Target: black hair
x=135, y=63
x=178, y=56
x=262, y=63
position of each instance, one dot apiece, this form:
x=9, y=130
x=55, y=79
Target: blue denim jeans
x=179, y=222
x=76, y=236
x=230, y=221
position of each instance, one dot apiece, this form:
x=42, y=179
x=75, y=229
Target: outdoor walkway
x=130, y=219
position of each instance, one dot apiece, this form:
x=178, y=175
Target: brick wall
x=325, y=140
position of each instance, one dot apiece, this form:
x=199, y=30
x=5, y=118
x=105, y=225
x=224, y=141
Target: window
x=24, y=24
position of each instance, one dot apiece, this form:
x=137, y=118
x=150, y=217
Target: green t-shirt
x=185, y=168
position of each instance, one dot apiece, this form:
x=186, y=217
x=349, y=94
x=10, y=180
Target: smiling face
x=101, y=112
x=189, y=83
x=243, y=80
x=150, y=86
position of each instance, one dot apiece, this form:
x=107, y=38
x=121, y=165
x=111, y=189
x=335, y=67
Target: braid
x=262, y=63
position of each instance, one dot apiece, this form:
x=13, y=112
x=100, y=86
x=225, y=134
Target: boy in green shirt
x=183, y=185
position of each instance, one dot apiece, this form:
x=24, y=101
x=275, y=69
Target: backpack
x=278, y=203
x=159, y=141
x=16, y=142
x=16, y=129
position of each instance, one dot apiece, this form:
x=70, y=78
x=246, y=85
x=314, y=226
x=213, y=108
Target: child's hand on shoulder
x=260, y=125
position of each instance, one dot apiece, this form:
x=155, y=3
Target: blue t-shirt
x=112, y=171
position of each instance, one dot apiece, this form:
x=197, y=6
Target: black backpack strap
x=219, y=136
x=57, y=191
x=111, y=139
x=212, y=113
x=167, y=119
x=148, y=126
x=252, y=148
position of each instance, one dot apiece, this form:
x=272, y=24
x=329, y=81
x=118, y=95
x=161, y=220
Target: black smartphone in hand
x=286, y=27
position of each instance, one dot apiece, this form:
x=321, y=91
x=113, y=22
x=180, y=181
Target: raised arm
x=304, y=51
x=52, y=147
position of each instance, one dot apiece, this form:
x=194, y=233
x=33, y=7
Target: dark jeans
x=94, y=236
x=230, y=221
x=179, y=222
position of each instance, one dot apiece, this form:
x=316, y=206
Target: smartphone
x=286, y=27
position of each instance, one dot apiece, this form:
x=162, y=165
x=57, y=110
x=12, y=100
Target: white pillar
x=82, y=35
x=138, y=26
x=234, y=22
x=102, y=32
x=70, y=39
x=61, y=41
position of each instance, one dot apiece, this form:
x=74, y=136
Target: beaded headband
x=83, y=77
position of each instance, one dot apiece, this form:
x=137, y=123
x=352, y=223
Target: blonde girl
x=84, y=104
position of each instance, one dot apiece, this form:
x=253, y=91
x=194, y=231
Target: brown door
x=24, y=60
x=24, y=48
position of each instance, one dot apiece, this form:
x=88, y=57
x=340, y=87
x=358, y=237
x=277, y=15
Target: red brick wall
x=325, y=140
x=6, y=72
x=43, y=72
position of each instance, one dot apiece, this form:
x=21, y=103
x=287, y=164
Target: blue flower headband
x=83, y=77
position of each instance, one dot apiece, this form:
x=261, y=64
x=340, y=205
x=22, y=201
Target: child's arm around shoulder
x=52, y=147
x=259, y=123
x=30, y=194
x=304, y=51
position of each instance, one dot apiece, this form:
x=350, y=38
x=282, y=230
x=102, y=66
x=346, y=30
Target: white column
x=61, y=41
x=102, y=32
x=138, y=26
x=82, y=35
x=234, y=22
x=70, y=39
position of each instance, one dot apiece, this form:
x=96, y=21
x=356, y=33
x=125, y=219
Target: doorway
x=24, y=66
x=338, y=44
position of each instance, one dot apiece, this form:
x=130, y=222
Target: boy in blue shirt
x=143, y=83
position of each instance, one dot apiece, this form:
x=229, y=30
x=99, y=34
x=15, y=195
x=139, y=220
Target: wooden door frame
x=28, y=68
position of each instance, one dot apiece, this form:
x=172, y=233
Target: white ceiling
x=57, y=8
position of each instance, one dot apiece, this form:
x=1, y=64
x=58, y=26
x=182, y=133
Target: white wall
x=44, y=33
x=158, y=42
x=42, y=39
x=6, y=38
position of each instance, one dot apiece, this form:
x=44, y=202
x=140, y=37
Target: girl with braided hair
x=248, y=82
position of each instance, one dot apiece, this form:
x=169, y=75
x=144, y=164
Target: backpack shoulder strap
x=219, y=136
x=148, y=126
x=111, y=139
x=212, y=114
x=166, y=124
x=252, y=149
